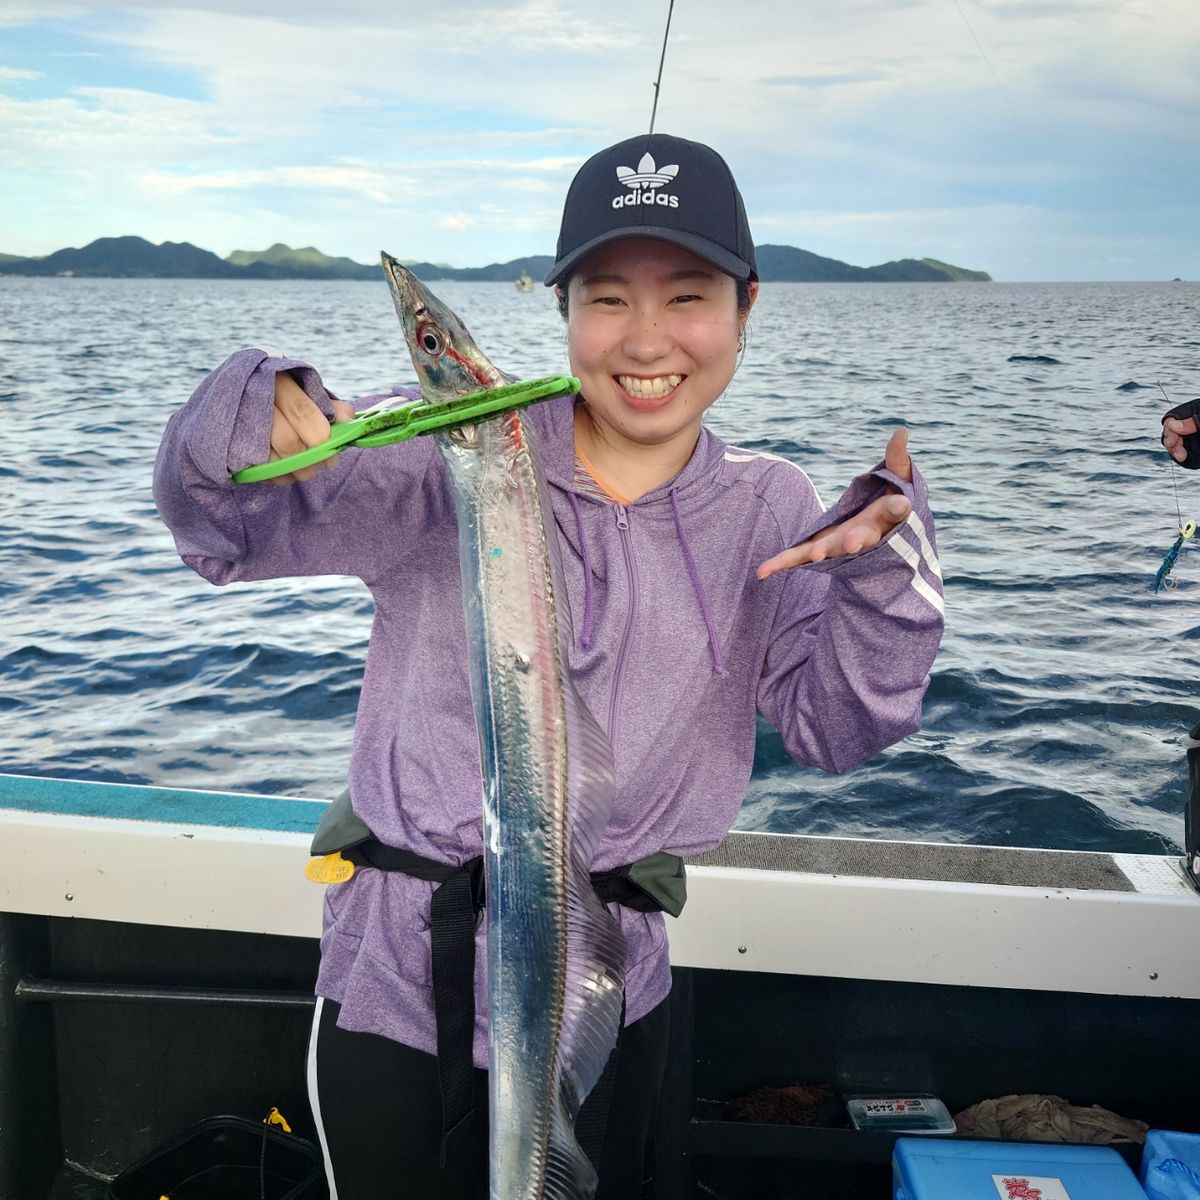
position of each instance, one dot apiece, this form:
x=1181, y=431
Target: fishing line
x=661, y=59
x=983, y=55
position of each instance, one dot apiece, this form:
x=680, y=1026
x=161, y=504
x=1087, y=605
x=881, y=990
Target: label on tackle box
x=902, y=1107
x=1030, y=1187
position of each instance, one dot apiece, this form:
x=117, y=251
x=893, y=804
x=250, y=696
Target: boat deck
x=158, y=949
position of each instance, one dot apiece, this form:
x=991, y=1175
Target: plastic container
x=1171, y=1165
x=914, y=1113
x=924, y=1169
x=230, y=1158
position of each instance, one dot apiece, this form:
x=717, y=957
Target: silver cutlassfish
x=555, y=956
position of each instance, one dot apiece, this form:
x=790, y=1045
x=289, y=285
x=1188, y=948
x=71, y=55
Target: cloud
x=350, y=180
x=14, y=15
x=13, y=73
x=102, y=128
x=456, y=221
x=820, y=81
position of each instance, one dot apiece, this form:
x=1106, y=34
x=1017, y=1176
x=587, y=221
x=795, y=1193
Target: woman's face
x=652, y=334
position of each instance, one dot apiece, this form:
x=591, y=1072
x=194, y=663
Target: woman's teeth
x=649, y=389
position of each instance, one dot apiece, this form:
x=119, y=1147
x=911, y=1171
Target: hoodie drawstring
x=698, y=589
x=585, y=638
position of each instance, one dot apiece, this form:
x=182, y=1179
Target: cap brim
x=701, y=247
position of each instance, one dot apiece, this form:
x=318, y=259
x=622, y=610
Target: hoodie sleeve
x=352, y=519
x=854, y=638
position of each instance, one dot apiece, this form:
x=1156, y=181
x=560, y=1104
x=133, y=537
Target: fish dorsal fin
x=596, y=956
x=596, y=951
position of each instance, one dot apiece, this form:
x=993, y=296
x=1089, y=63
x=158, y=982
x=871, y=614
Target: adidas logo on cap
x=645, y=183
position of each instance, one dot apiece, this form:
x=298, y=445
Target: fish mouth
x=405, y=287
x=399, y=280
x=648, y=391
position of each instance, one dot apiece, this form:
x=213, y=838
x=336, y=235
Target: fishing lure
x=1162, y=577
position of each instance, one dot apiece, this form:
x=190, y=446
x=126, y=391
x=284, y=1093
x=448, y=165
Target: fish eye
x=431, y=340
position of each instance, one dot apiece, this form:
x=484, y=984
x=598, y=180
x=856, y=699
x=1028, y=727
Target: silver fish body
x=555, y=957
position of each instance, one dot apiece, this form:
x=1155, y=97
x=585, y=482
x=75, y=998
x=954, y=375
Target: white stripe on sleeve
x=910, y=556
x=736, y=454
x=927, y=551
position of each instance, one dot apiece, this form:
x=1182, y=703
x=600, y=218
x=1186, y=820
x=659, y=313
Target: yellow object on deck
x=275, y=1117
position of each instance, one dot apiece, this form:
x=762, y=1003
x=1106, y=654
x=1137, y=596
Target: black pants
x=379, y=1112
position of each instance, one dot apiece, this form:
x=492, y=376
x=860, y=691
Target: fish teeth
x=660, y=385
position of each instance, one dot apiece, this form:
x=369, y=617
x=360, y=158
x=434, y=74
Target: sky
x=1033, y=139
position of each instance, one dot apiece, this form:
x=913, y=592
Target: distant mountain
x=306, y=263
x=786, y=264
x=535, y=265
x=958, y=274
x=136, y=257
x=126, y=256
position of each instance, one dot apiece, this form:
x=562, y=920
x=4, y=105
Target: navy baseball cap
x=657, y=186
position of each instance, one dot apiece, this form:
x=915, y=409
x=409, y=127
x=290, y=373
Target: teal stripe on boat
x=134, y=802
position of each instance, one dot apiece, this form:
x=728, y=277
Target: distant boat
x=525, y=283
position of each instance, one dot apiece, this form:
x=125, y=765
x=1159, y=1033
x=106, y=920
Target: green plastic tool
x=382, y=426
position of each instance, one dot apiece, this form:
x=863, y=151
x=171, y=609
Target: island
x=135, y=257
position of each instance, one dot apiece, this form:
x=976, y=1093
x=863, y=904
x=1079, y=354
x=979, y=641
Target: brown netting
x=797, y=1104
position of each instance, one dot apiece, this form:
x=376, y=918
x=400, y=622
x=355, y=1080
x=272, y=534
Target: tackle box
x=942, y=1169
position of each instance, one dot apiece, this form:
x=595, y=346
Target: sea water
x=1063, y=686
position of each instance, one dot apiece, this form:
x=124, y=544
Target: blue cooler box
x=961, y=1170
x=1171, y=1165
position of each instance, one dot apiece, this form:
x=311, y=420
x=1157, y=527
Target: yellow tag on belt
x=333, y=868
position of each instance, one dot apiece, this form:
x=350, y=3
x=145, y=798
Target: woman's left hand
x=862, y=531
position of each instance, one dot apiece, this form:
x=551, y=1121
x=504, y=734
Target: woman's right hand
x=297, y=423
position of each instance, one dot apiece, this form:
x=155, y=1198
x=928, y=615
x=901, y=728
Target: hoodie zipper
x=631, y=617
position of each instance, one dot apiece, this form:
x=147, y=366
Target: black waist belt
x=457, y=904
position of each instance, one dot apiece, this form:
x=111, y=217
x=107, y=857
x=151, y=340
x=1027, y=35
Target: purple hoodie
x=675, y=646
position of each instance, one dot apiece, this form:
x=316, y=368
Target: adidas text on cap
x=657, y=186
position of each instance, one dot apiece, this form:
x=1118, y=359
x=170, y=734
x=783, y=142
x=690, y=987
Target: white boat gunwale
x=1116, y=926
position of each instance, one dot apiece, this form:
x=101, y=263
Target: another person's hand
x=862, y=531
x=1174, y=430
x=297, y=423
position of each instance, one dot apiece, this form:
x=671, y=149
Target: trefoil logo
x=645, y=184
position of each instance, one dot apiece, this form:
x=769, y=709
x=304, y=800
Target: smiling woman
x=676, y=555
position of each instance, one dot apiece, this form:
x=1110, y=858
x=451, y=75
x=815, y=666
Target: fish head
x=447, y=360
